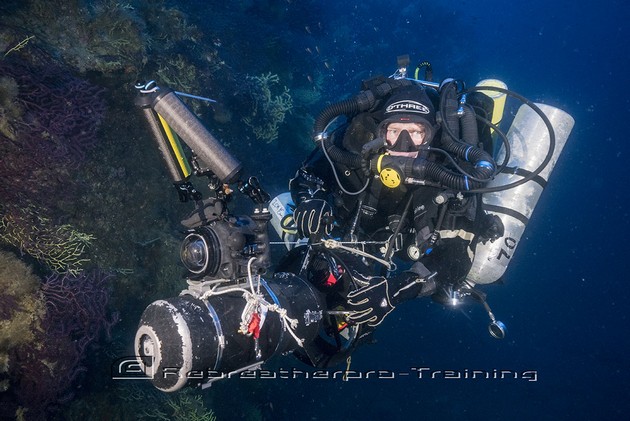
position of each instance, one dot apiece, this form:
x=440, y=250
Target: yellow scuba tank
x=498, y=98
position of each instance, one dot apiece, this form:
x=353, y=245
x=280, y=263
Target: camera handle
x=254, y=191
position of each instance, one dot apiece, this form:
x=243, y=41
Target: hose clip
x=462, y=102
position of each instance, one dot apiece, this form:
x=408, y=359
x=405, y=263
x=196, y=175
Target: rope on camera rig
x=256, y=308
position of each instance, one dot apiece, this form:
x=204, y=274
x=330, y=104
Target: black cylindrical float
x=185, y=338
x=170, y=342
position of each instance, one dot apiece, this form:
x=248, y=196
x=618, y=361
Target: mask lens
x=415, y=134
x=405, y=137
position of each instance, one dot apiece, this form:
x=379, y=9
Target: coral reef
x=48, y=117
x=71, y=192
x=45, y=334
x=147, y=403
x=21, y=309
x=77, y=306
x=107, y=36
x=269, y=109
x=61, y=248
x=45, y=370
x=112, y=37
x=48, y=121
x=22, y=303
x=187, y=407
x=178, y=72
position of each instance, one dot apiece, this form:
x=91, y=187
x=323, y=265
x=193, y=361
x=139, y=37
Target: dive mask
x=408, y=139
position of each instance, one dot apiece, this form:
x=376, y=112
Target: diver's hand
x=371, y=303
x=313, y=217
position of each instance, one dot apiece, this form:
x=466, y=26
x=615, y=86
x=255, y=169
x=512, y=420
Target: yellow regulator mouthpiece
x=390, y=177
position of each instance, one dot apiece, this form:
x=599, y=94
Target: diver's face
x=417, y=133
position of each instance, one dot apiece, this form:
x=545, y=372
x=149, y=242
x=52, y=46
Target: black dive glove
x=313, y=217
x=371, y=303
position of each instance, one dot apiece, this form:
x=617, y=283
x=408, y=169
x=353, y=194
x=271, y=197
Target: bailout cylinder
x=529, y=142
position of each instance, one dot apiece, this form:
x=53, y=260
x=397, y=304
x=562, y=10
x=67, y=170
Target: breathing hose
x=363, y=101
x=552, y=139
x=472, y=181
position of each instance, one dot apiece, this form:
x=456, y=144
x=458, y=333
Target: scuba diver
x=402, y=198
x=429, y=230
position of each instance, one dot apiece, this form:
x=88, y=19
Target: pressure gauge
x=413, y=252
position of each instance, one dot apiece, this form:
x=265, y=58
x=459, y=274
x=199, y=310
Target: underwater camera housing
x=221, y=246
x=214, y=329
x=228, y=319
x=215, y=326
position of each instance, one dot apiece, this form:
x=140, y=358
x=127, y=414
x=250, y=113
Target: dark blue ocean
x=564, y=297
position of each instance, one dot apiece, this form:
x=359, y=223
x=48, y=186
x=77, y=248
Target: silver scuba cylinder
x=529, y=142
